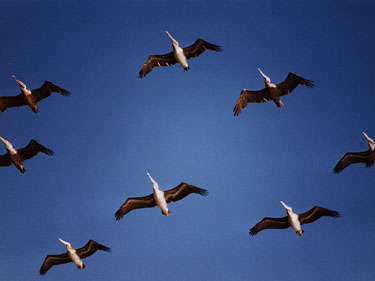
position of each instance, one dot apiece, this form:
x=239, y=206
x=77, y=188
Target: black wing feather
x=156, y=60
x=247, y=96
x=316, y=213
x=47, y=89
x=291, y=82
x=181, y=191
x=351, y=158
x=135, y=203
x=270, y=223
x=199, y=47
x=90, y=248
x=14, y=101
x=52, y=260
x=5, y=160
x=32, y=149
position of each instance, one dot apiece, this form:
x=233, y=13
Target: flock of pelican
x=271, y=92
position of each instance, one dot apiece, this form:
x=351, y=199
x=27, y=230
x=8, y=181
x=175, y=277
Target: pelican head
x=288, y=208
x=68, y=245
x=173, y=40
x=371, y=143
x=22, y=85
x=266, y=78
x=7, y=143
x=154, y=183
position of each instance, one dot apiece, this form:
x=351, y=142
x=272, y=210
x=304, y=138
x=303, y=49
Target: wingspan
x=32, y=149
x=199, y=47
x=6, y=102
x=270, y=223
x=351, y=158
x=90, y=248
x=247, y=96
x=291, y=82
x=181, y=191
x=47, y=89
x=156, y=60
x=52, y=260
x=316, y=213
x=135, y=203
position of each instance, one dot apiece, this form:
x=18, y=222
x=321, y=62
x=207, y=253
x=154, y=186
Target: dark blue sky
x=179, y=126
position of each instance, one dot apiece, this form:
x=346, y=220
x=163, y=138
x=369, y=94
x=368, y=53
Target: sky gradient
x=179, y=126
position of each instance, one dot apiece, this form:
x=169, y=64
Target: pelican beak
x=170, y=36
x=19, y=82
x=3, y=140
x=64, y=242
x=367, y=137
x=285, y=205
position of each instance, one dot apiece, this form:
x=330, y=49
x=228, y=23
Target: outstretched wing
x=135, y=203
x=371, y=160
x=291, y=82
x=32, y=149
x=181, y=191
x=90, y=248
x=6, y=102
x=156, y=60
x=351, y=158
x=52, y=260
x=199, y=47
x=316, y=213
x=269, y=223
x=47, y=89
x=247, y=96
x=5, y=160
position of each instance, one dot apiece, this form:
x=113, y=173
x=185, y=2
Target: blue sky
x=179, y=126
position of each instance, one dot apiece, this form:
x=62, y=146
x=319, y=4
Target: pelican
x=180, y=55
x=16, y=156
x=72, y=255
x=31, y=97
x=271, y=91
x=159, y=198
x=349, y=158
x=292, y=219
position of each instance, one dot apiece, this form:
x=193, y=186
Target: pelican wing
x=6, y=102
x=247, y=96
x=199, y=47
x=371, y=160
x=269, y=223
x=351, y=158
x=47, y=89
x=52, y=260
x=316, y=213
x=156, y=60
x=291, y=82
x=90, y=248
x=181, y=191
x=5, y=160
x=32, y=149
x=135, y=203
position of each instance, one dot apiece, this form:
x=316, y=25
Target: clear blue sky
x=179, y=126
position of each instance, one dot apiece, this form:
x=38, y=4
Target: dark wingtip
x=252, y=232
x=49, y=152
x=118, y=216
x=336, y=215
x=203, y=192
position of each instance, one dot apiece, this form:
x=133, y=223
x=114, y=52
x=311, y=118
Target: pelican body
x=367, y=157
x=292, y=219
x=72, y=255
x=271, y=91
x=159, y=198
x=178, y=55
x=31, y=97
x=16, y=156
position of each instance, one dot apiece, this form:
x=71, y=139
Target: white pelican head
x=288, y=208
x=266, y=78
x=371, y=143
x=8, y=145
x=173, y=40
x=22, y=85
x=68, y=245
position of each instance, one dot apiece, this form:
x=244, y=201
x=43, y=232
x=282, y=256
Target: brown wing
x=269, y=223
x=247, y=96
x=5, y=160
x=181, y=191
x=6, y=102
x=316, y=213
x=371, y=160
x=90, y=248
x=135, y=203
x=32, y=149
x=52, y=260
x=291, y=82
x=199, y=47
x=351, y=158
x=47, y=89
x=156, y=60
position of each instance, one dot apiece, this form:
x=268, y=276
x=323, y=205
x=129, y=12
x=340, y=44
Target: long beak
x=149, y=176
x=19, y=82
x=285, y=205
x=264, y=75
x=367, y=137
x=64, y=242
x=170, y=36
x=3, y=140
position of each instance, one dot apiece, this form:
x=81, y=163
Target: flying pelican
x=180, y=55
x=271, y=91
x=16, y=156
x=159, y=198
x=72, y=255
x=349, y=158
x=31, y=97
x=293, y=220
